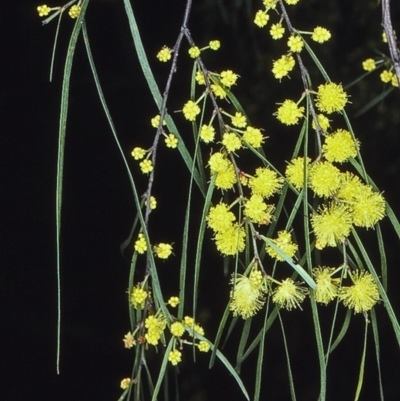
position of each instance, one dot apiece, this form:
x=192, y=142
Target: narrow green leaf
x=342, y=331
x=375, y=332
x=362, y=363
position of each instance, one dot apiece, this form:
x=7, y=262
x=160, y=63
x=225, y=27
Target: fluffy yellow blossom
x=270, y=3
x=226, y=179
x=289, y=113
x=138, y=153
x=125, y=383
x=207, y=133
x=171, y=141
x=284, y=243
x=129, y=340
x=175, y=356
x=239, y=120
x=295, y=43
x=331, y=224
x=362, y=295
x=324, y=179
x=173, y=301
x=257, y=210
x=231, y=142
x=194, y=52
x=327, y=286
x=153, y=203
x=43, y=10
x=386, y=76
x=214, y=44
x=218, y=91
x=320, y=35
x=164, y=54
x=261, y=19
x=220, y=218
x=289, y=294
x=283, y=66
x=199, y=77
x=323, y=122
x=163, y=251
x=218, y=162
x=228, y=78
x=177, y=329
x=146, y=166
x=277, y=31
x=74, y=11
x=138, y=297
x=331, y=97
x=203, y=346
x=339, y=146
x=155, y=325
x=231, y=241
x=295, y=172
x=191, y=110
x=369, y=64
x=265, y=182
x=140, y=244
x=253, y=137
x=155, y=121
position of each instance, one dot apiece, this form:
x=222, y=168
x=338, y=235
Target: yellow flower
x=261, y=18
x=164, y=54
x=331, y=97
x=295, y=172
x=386, y=76
x=239, y=120
x=203, y=346
x=140, y=244
x=295, y=43
x=284, y=243
x=218, y=91
x=324, y=179
x=331, y=225
x=175, y=356
x=369, y=64
x=395, y=81
x=277, y=31
x=171, y=141
x=74, y=11
x=339, y=146
x=163, y=251
x=125, y=383
x=194, y=52
x=320, y=35
x=155, y=325
x=153, y=203
x=43, y=10
x=231, y=241
x=384, y=37
x=270, y=3
x=191, y=110
x=129, y=340
x=231, y=142
x=218, y=162
x=253, y=137
x=362, y=295
x=173, y=301
x=289, y=113
x=214, y=44
x=138, y=297
x=291, y=2
x=226, y=179
x=228, y=78
x=247, y=296
x=220, y=218
x=323, y=122
x=207, y=133
x=289, y=294
x=327, y=287
x=146, y=166
x=155, y=121
x=177, y=329
x=258, y=211
x=199, y=77
x=265, y=182
x=138, y=153
x=283, y=66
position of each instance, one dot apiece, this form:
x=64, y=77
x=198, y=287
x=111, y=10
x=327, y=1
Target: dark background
x=98, y=206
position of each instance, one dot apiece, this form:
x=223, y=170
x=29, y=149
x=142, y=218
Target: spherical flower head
x=140, y=244
x=270, y=3
x=231, y=241
x=289, y=294
x=146, y=166
x=327, y=287
x=295, y=43
x=218, y=162
x=218, y=91
x=258, y=211
x=289, y=113
x=214, y=44
x=331, y=97
x=339, y=146
x=368, y=207
x=173, y=301
x=295, y=172
x=138, y=153
x=129, y=340
x=283, y=66
x=265, y=182
x=43, y=10
x=331, y=224
x=155, y=121
x=155, y=325
x=198, y=329
x=138, y=297
x=191, y=110
x=175, y=356
x=320, y=35
x=177, y=329
x=261, y=18
x=189, y=321
x=386, y=76
x=171, y=141
x=323, y=122
x=277, y=31
x=231, y=142
x=324, y=179
x=163, y=251
x=199, y=77
x=125, y=383
x=226, y=179
x=220, y=218
x=253, y=137
x=203, y=346
x=362, y=295
x=153, y=203
x=369, y=64
x=349, y=188
x=207, y=133
x=247, y=297
x=285, y=244
x=164, y=54
x=74, y=11
x=291, y=2
x=228, y=78
x=194, y=52
x=239, y=120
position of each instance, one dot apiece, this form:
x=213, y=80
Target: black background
x=98, y=206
